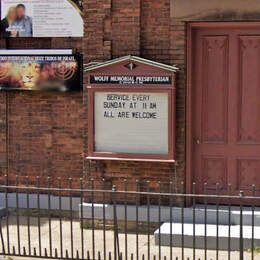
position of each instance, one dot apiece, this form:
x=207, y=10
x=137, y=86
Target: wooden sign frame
x=146, y=70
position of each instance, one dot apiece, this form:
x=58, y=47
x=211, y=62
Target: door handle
x=197, y=141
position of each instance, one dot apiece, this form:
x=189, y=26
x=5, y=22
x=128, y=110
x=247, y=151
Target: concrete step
x=247, y=217
x=211, y=235
x=234, y=215
x=222, y=213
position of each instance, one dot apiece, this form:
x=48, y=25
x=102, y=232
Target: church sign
x=131, y=115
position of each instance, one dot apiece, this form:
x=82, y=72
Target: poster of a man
x=41, y=18
x=17, y=23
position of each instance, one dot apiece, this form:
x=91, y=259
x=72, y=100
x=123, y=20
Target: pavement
x=98, y=241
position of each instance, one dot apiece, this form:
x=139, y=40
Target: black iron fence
x=136, y=221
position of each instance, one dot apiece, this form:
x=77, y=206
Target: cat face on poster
x=30, y=74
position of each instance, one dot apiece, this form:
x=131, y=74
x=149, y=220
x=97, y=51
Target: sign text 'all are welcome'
x=131, y=122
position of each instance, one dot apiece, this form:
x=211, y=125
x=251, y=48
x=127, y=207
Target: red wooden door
x=226, y=108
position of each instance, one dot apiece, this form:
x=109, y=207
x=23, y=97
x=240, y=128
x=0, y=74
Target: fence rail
x=149, y=221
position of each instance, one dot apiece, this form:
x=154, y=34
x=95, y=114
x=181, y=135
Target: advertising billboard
x=58, y=72
x=41, y=18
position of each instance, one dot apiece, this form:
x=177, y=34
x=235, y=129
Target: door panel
x=248, y=170
x=214, y=89
x=214, y=171
x=226, y=108
x=249, y=90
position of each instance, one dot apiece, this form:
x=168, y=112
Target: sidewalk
x=109, y=241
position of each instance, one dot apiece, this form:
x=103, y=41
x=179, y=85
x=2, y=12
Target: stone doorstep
x=211, y=235
x=43, y=199
x=223, y=217
x=247, y=217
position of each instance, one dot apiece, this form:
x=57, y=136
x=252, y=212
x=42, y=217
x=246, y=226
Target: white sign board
x=131, y=122
x=41, y=18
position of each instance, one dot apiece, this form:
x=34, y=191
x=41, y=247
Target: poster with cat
x=40, y=72
x=41, y=18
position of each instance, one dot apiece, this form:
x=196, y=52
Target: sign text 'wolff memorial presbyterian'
x=130, y=79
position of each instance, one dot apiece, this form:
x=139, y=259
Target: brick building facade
x=45, y=133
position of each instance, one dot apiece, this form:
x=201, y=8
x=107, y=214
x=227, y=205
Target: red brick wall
x=96, y=44
x=3, y=139
x=137, y=27
x=125, y=27
x=45, y=134
x=42, y=133
x=155, y=30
